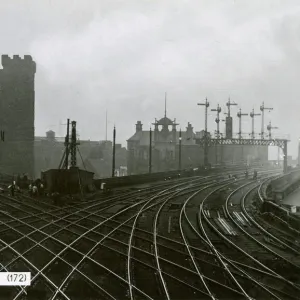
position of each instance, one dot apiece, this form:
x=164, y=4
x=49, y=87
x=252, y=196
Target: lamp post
x=206, y=104
x=114, y=153
x=150, y=152
x=180, y=140
x=299, y=152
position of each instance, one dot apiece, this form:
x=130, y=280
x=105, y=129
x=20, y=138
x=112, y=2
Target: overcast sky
x=123, y=55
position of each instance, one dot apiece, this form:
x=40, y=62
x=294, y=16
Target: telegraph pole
x=228, y=104
x=240, y=115
x=150, y=152
x=262, y=109
x=179, y=160
x=114, y=153
x=299, y=152
x=218, y=110
x=206, y=104
x=252, y=115
x=228, y=123
x=67, y=144
x=269, y=128
x=285, y=162
x=106, y=126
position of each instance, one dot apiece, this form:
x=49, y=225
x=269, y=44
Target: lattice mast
x=67, y=145
x=73, y=145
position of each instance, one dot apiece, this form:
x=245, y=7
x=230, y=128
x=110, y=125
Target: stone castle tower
x=17, y=99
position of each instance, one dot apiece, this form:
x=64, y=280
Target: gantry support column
x=285, y=165
x=150, y=151
x=114, y=154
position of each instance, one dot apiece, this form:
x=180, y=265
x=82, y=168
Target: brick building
x=165, y=148
x=17, y=99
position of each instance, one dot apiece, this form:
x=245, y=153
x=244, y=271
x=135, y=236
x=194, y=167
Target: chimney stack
x=138, y=126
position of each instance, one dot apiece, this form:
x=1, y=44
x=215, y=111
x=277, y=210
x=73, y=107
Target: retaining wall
x=114, y=182
x=281, y=187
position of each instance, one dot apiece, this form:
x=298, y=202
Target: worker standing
x=41, y=189
x=34, y=190
x=30, y=189
x=12, y=190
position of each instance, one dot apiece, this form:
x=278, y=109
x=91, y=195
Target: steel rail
x=130, y=249
x=229, y=241
x=102, y=234
x=56, y=256
x=186, y=242
x=155, y=238
x=254, y=239
x=235, y=246
x=233, y=263
x=33, y=267
x=211, y=244
x=99, y=242
x=84, y=234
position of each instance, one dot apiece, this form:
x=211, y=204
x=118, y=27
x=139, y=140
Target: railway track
x=241, y=241
x=120, y=249
x=48, y=235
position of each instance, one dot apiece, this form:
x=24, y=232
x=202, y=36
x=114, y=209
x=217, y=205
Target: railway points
x=149, y=244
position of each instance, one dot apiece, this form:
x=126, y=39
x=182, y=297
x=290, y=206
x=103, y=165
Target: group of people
x=254, y=174
x=36, y=188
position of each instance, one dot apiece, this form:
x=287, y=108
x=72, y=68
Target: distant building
x=93, y=156
x=17, y=100
x=165, y=148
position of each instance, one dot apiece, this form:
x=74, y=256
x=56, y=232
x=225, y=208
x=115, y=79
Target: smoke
x=124, y=57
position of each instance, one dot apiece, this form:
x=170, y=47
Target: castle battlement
x=25, y=64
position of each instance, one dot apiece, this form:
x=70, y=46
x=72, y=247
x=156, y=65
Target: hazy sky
x=123, y=55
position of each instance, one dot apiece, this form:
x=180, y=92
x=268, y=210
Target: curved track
x=163, y=243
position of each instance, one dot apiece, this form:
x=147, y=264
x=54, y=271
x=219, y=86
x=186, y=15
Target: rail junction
x=202, y=233
x=200, y=237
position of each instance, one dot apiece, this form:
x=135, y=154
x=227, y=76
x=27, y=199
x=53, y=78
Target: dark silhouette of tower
x=17, y=98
